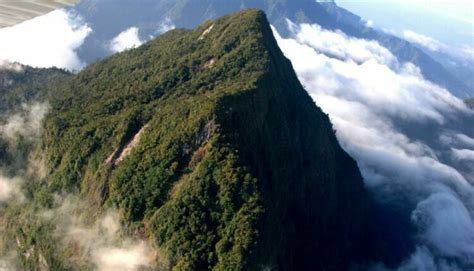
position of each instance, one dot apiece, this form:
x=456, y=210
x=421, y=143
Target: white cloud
x=9, y=188
x=338, y=45
x=6, y=65
x=465, y=53
x=380, y=108
x=27, y=123
x=423, y=260
x=126, y=40
x=463, y=154
x=127, y=258
x=165, y=26
x=452, y=138
x=369, y=23
x=46, y=41
x=102, y=243
x=130, y=38
x=449, y=225
x=423, y=40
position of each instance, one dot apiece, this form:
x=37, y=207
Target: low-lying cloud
x=9, y=188
x=403, y=131
x=45, y=41
x=100, y=243
x=464, y=53
x=9, y=66
x=27, y=125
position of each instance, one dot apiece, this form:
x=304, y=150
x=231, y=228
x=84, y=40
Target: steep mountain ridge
x=208, y=145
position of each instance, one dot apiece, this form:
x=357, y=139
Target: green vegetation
x=231, y=166
x=29, y=84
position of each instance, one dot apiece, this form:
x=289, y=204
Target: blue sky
x=449, y=21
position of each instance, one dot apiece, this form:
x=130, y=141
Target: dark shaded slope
x=208, y=143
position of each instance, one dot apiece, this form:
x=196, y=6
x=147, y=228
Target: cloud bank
x=45, y=41
x=401, y=130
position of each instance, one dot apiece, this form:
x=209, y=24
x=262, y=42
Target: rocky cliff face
x=211, y=149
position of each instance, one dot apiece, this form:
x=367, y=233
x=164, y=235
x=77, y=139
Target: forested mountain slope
x=210, y=148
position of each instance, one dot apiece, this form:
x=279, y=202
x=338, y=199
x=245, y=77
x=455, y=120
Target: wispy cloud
x=465, y=53
x=101, y=243
x=165, y=26
x=9, y=188
x=463, y=154
x=26, y=124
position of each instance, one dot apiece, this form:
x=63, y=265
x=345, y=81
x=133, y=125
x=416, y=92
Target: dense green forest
x=23, y=84
x=209, y=147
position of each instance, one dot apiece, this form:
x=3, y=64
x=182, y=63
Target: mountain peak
x=210, y=148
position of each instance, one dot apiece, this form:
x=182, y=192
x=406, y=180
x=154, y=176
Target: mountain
x=461, y=66
x=19, y=87
x=153, y=17
x=211, y=150
x=22, y=84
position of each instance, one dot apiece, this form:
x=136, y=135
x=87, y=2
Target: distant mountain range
x=150, y=16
